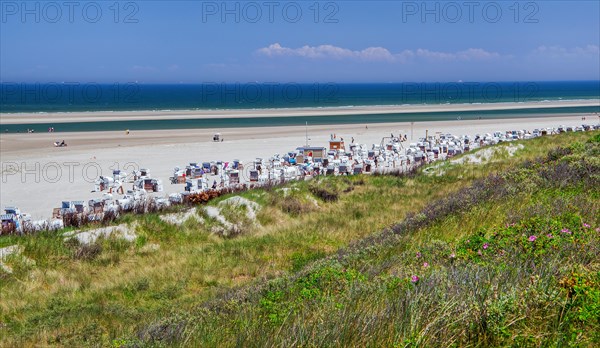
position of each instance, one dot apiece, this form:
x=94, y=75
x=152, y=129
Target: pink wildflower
x=586, y=225
x=549, y=235
x=532, y=238
x=479, y=252
x=566, y=230
x=414, y=279
x=453, y=255
x=485, y=246
x=418, y=254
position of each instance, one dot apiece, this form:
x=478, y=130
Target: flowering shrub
x=533, y=237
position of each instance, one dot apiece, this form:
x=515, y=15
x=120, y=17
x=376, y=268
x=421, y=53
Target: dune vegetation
x=499, y=252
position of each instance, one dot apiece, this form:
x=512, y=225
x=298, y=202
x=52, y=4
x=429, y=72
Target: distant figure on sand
x=127, y=132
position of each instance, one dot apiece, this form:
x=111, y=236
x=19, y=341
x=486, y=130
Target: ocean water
x=77, y=97
x=88, y=97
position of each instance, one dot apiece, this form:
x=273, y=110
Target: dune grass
x=119, y=293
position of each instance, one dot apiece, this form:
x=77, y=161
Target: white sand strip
x=62, y=117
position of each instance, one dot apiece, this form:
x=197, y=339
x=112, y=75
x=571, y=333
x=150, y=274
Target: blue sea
x=89, y=97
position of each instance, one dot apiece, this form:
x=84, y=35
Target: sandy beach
x=36, y=176
x=18, y=118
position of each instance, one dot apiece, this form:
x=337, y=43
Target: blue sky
x=271, y=41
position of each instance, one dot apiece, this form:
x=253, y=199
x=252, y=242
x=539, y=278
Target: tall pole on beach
x=412, y=126
x=306, y=133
